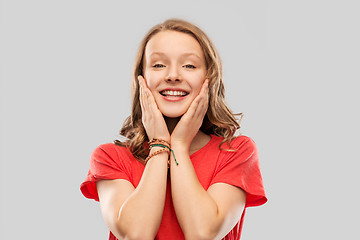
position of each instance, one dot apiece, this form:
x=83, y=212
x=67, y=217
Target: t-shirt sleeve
x=241, y=169
x=105, y=163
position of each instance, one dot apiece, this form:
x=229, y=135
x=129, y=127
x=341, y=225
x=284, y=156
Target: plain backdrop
x=292, y=67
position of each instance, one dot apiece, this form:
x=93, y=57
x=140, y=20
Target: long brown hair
x=219, y=119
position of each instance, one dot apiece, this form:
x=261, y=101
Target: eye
x=189, y=66
x=158, y=65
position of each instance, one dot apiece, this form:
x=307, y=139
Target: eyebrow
x=182, y=55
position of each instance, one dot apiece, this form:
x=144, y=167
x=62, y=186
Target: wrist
x=156, y=152
x=167, y=139
x=179, y=146
x=154, y=149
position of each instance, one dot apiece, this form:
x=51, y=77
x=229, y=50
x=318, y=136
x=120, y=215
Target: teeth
x=173, y=93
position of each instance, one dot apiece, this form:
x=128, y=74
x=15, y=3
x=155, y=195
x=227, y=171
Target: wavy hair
x=219, y=119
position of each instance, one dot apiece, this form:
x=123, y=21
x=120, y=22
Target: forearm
x=197, y=212
x=140, y=215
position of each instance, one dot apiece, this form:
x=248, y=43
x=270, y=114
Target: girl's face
x=174, y=70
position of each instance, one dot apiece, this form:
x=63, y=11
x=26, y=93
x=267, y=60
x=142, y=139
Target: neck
x=200, y=139
x=171, y=123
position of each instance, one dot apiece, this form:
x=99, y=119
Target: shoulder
x=237, y=143
x=243, y=141
x=107, y=161
x=238, y=165
x=111, y=152
x=241, y=149
x=111, y=148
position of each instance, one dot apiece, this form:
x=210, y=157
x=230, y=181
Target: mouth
x=173, y=93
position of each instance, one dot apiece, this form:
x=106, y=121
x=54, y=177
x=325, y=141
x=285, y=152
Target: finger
x=149, y=104
x=205, y=92
x=205, y=87
x=144, y=87
x=143, y=98
x=149, y=97
x=200, y=103
x=146, y=91
x=151, y=100
x=143, y=81
x=205, y=101
x=147, y=101
x=141, y=93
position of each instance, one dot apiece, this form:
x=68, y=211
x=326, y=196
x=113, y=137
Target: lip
x=172, y=98
x=173, y=89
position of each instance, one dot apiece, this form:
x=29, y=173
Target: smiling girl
x=181, y=173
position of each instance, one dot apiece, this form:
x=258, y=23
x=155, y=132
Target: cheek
x=197, y=83
x=152, y=79
x=150, y=84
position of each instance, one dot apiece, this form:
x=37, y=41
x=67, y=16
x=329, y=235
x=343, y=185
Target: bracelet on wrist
x=156, y=153
x=156, y=142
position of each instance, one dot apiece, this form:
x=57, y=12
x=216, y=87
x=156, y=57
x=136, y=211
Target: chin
x=173, y=114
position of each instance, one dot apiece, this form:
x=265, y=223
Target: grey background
x=290, y=66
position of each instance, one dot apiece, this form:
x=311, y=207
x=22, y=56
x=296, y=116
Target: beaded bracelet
x=156, y=153
x=157, y=142
x=163, y=146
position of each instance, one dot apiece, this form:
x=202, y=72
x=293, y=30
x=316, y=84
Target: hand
x=191, y=121
x=152, y=119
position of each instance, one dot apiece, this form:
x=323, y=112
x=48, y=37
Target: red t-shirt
x=212, y=165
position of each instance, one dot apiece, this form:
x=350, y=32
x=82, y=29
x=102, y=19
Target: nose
x=173, y=75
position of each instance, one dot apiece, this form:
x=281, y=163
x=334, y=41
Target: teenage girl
x=181, y=173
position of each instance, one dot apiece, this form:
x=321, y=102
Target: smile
x=171, y=93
